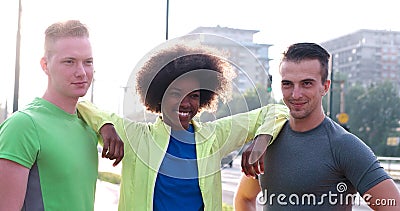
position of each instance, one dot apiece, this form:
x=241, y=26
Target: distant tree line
x=374, y=114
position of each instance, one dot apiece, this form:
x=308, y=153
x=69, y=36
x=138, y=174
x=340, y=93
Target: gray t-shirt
x=321, y=169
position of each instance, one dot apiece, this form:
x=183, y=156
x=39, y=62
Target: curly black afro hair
x=208, y=65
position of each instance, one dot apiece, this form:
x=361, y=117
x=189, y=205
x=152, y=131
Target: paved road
x=107, y=194
x=230, y=179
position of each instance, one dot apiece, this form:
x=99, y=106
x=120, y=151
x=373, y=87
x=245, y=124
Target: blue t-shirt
x=177, y=184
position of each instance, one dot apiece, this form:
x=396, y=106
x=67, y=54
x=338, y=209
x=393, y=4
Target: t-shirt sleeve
x=274, y=117
x=19, y=141
x=359, y=163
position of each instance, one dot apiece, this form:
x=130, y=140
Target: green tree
x=257, y=97
x=335, y=98
x=374, y=113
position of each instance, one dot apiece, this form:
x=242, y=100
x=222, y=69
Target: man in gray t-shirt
x=314, y=164
x=320, y=173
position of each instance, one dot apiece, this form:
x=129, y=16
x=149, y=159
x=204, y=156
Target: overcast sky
x=122, y=31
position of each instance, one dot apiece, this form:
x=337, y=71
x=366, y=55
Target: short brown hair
x=306, y=51
x=70, y=28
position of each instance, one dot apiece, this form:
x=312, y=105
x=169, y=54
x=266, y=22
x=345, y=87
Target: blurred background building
x=255, y=69
x=250, y=60
x=366, y=56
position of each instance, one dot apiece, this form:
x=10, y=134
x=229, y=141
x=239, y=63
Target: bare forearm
x=245, y=205
x=246, y=194
x=384, y=196
x=13, y=182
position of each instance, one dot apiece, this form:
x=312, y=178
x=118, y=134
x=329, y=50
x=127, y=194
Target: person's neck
x=173, y=125
x=176, y=127
x=308, y=123
x=67, y=104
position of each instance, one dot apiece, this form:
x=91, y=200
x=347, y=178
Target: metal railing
x=391, y=165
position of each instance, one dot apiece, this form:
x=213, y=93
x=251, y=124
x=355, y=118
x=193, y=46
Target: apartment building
x=250, y=59
x=366, y=56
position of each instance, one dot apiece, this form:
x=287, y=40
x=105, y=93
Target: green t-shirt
x=61, y=152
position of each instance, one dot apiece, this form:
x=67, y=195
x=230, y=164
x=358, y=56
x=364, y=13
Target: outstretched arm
x=113, y=146
x=383, y=196
x=243, y=127
x=246, y=194
x=103, y=123
x=253, y=157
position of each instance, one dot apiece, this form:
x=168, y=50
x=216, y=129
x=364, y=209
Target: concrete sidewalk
x=107, y=194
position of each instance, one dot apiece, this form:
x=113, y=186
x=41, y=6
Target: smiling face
x=303, y=90
x=181, y=102
x=69, y=67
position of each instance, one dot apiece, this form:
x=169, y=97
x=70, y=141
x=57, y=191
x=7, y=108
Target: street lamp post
x=330, y=104
x=17, y=66
x=166, y=24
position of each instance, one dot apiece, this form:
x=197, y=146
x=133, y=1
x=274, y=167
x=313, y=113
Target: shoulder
x=19, y=119
x=347, y=146
x=337, y=134
x=130, y=125
x=202, y=127
x=18, y=128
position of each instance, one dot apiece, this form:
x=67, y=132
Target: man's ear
x=327, y=85
x=43, y=64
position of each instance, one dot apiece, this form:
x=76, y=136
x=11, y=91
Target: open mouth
x=183, y=114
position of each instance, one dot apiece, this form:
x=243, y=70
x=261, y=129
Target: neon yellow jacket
x=146, y=145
